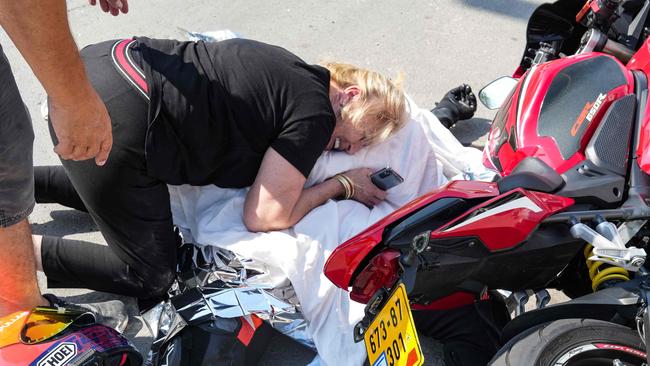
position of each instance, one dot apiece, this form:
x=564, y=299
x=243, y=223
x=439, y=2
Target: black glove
x=458, y=104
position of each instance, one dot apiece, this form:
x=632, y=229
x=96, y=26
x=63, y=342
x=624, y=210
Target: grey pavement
x=435, y=44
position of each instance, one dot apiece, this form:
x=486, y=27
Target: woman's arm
x=278, y=201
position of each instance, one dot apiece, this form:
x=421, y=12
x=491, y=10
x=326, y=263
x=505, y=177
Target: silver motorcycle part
x=542, y=298
x=595, y=40
x=628, y=229
x=608, y=251
x=520, y=299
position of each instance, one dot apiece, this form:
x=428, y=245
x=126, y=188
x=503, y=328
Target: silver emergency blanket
x=218, y=287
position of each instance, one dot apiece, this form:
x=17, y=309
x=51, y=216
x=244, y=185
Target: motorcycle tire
x=573, y=342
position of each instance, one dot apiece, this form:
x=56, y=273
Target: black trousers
x=469, y=334
x=130, y=208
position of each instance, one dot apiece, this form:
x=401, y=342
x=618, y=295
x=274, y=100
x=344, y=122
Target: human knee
x=156, y=283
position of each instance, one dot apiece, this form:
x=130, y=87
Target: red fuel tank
x=554, y=110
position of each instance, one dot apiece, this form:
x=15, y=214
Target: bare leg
x=38, y=258
x=18, y=285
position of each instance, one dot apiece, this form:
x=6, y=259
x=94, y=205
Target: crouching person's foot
x=110, y=313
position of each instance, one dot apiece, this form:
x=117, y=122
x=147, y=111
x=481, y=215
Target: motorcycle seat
x=532, y=174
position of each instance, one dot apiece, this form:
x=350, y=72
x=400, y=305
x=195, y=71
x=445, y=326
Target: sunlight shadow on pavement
x=520, y=9
x=472, y=132
x=65, y=222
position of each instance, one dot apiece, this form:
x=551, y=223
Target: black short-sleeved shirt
x=217, y=107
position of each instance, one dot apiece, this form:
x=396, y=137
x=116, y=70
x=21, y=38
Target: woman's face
x=348, y=137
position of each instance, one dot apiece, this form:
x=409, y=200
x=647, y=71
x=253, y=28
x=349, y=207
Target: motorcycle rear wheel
x=573, y=342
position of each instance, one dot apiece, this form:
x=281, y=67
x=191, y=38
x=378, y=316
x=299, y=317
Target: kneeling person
x=236, y=113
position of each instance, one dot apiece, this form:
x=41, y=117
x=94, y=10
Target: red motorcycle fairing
x=505, y=221
x=347, y=257
x=554, y=110
x=641, y=61
x=501, y=222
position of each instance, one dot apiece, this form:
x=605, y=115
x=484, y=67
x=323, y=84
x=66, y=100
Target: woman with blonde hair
x=237, y=113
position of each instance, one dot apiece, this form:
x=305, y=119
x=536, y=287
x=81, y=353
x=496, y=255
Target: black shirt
x=217, y=107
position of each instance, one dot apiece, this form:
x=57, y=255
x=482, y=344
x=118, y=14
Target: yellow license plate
x=391, y=339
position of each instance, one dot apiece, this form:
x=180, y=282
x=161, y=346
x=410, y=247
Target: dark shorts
x=16, y=147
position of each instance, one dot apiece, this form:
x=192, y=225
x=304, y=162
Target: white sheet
x=423, y=152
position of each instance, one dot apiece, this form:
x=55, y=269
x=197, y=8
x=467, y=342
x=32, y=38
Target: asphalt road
x=436, y=44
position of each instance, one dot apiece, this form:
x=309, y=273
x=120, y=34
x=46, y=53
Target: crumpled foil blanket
x=220, y=287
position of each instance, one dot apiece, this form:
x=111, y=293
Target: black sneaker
x=109, y=313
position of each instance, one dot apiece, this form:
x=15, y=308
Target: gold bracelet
x=345, y=182
x=348, y=189
x=340, y=180
x=352, y=190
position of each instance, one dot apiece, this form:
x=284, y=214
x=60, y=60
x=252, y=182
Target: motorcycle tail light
x=381, y=271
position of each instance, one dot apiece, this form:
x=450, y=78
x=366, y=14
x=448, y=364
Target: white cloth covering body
x=423, y=152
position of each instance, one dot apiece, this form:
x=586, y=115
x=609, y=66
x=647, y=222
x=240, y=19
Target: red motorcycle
x=571, y=141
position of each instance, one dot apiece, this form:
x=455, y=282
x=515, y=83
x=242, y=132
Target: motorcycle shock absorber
x=601, y=274
x=608, y=258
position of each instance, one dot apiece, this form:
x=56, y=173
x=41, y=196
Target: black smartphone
x=386, y=178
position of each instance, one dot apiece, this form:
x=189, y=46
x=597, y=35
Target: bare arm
x=277, y=199
x=40, y=31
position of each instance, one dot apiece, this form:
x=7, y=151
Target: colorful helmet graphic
x=55, y=337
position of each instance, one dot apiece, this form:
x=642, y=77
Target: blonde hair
x=380, y=99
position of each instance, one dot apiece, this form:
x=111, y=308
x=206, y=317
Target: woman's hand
x=278, y=200
x=364, y=190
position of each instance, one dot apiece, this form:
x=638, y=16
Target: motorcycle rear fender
x=601, y=305
x=352, y=255
x=500, y=221
x=497, y=243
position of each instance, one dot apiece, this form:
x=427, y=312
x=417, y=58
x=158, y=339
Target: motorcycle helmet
x=49, y=336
